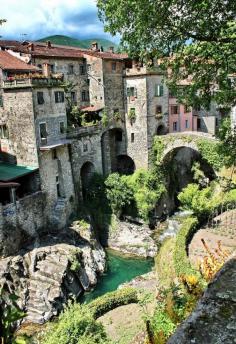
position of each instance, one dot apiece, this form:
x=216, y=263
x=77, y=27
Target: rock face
x=214, y=319
x=131, y=238
x=47, y=275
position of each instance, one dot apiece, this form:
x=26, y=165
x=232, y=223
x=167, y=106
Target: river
x=120, y=269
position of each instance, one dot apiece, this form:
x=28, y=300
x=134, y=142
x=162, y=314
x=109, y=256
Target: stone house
x=34, y=151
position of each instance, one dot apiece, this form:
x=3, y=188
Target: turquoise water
x=120, y=269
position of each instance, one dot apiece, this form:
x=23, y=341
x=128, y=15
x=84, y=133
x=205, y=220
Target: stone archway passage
x=125, y=164
x=86, y=173
x=161, y=129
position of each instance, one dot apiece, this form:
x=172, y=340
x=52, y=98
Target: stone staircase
x=45, y=287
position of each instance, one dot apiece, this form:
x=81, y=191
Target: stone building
x=34, y=154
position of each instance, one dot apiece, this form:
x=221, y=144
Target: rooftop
x=12, y=63
x=10, y=172
x=40, y=49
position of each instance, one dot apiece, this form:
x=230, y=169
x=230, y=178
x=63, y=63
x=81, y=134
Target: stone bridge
x=188, y=139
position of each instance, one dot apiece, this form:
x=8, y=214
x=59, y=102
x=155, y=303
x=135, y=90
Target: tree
x=200, y=37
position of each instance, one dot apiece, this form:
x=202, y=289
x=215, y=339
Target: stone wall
x=136, y=131
x=18, y=115
x=79, y=80
x=22, y=221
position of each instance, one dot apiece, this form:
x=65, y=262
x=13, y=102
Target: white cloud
x=39, y=18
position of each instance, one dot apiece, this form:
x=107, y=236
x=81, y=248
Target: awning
x=92, y=109
x=55, y=145
x=9, y=185
x=9, y=172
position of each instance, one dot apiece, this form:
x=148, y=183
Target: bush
x=112, y=300
x=118, y=192
x=76, y=325
x=181, y=261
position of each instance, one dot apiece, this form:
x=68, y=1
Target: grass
x=164, y=263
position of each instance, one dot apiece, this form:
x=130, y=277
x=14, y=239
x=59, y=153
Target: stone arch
x=86, y=172
x=125, y=164
x=176, y=145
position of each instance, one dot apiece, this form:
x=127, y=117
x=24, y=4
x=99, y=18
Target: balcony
x=21, y=81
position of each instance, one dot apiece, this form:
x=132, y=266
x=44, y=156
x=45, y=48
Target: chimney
x=94, y=46
x=48, y=44
x=31, y=47
x=111, y=50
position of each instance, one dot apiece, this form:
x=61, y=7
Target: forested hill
x=74, y=42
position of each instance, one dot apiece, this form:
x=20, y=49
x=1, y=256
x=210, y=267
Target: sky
x=35, y=19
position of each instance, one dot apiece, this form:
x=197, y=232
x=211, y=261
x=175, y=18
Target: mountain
x=74, y=42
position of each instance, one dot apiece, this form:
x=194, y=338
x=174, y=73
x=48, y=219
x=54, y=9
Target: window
x=54, y=154
x=217, y=122
x=1, y=101
x=199, y=123
x=99, y=80
x=73, y=97
x=113, y=66
x=62, y=127
x=187, y=108
x=58, y=187
x=85, y=147
x=158, y=109
x=186, y=124
x=70, y=69
x=131, y=92
x=4, y=134
x=159, y=90
x=82, y=69
x=88, y=82
x=132, y=137
x=39, y=66
x=59, y=97
x=40, y=98
x=43, y=132
x=175, y=126
x=174, y=110
x=85, y=96
x=52, y=68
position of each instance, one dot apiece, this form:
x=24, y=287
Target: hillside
x=74, y=42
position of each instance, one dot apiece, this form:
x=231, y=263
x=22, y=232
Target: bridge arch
x=125, y=164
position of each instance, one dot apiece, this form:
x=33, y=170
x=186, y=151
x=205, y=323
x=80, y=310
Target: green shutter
x=135, y=92
x=128, y=91
x=159, y=90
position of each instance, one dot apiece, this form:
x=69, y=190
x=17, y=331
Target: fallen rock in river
x=132, y=238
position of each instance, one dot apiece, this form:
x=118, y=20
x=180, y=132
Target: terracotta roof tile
x=41, y=50
x=9, y=62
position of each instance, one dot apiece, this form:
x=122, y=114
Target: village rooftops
x=40, y=49
x=9, y=62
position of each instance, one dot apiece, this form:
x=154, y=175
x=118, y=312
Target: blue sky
x=40, y=18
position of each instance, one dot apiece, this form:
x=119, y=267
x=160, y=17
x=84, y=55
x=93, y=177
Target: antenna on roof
x=23, y=36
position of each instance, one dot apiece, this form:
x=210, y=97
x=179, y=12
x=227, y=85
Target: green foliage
x=117, y=116
x=10, y=313
x=76, y=325
x=147, y=188
x=158, y=148
x=132, y=115
x=153, y=29
x=162, y=325
x=105, y=119
x=198, y=174
x=112, y=300
x=209, y=150
x=227, y=147
x=181, y=261
x=201, y=201
x=118, y=192
x=75, y=261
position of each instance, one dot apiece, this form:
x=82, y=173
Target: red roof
x=10, y=62
x=91, y=108
x=40, y=49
